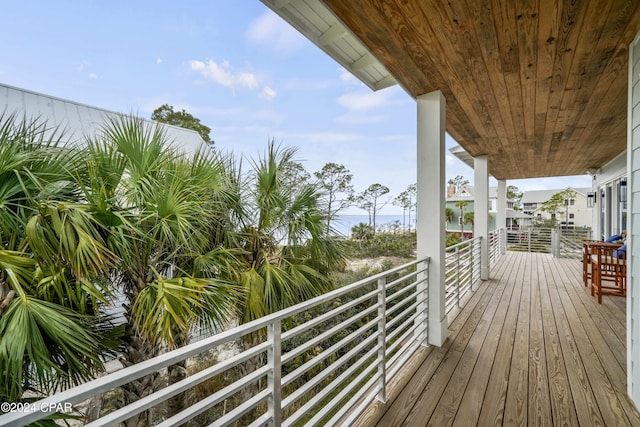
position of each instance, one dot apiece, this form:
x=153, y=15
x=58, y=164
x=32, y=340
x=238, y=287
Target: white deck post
x=481, y=211
x=501, y=209
x=430, y=206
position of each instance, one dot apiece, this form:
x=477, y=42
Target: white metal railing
x=561, y=242
x=567, y=242
x=319, y=362
x=462, y=270
x=497, y=244
x=530, y=240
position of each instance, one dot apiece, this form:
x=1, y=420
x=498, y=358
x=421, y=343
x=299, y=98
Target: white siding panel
x=75, y=119
x=633, y=273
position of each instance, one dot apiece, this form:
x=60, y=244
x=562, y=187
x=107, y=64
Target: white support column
x=430, y=206
x=501, y=209
x=481, y=211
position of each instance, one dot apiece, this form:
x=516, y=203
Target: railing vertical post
x=503, y=241
x=382, y=340
x=472, y=261
x=274, y=378
x=529, y=240
x=457, y=255
x=555, y=242
x=422, y=330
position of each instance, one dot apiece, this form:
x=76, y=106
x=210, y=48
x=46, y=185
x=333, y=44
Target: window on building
x=571, y=215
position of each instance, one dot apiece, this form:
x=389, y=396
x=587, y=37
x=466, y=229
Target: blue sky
x=235, y=65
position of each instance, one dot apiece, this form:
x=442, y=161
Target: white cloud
x=223, y=75
x=82, y=66
x=364, y=101
x=271, y=31
x=159, y=60
x=267, y=94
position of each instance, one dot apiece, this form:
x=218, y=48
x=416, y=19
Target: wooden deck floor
x=530, y=347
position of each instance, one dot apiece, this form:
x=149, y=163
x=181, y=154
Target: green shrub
x=383, y=244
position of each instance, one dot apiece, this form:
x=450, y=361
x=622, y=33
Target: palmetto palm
x=163, y=211
x=52, y=262
x=288, y=247
x=462, y=204
x=449, y=214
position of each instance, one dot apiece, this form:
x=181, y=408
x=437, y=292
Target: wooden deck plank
x=516, y=407
x=447, y=407
x=529, y=347
x=471, y=403
x=492, y=412
x=562, y=409
x=602, y=387
x=581, y=393
x=607, y=345
x=539, y=407
x=434, y=390
x=609, y=331
x=396, y=414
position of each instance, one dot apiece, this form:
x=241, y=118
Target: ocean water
x=343, y=223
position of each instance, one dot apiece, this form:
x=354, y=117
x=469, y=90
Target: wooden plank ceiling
x=540, y=86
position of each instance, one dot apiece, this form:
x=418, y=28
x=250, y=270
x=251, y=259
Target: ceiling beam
x=363, y=62
x=334, y=33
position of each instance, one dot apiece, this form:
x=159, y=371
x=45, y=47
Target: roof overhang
x=462, y=155
x=316, y=22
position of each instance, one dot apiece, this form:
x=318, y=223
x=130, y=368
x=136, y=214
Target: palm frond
x=166, y=307
x=47, y=345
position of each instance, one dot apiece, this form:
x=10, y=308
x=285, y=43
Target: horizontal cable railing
x=496, y=244
x=569, y=242
x=462, y=270
x=316, y=363
x=561, y=242
x=530, y=240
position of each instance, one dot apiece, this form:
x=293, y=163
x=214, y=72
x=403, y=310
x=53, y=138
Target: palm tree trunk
x=177, y=373
x=136, y=351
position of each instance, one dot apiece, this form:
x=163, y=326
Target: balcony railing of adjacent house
x=315, y=363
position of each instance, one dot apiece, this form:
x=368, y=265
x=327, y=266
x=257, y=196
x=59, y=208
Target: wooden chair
x=587, y=246
x=608, y=270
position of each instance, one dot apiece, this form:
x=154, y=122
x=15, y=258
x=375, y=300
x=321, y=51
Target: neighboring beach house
x=577, y=214
x=466, y=194
x=76, y=120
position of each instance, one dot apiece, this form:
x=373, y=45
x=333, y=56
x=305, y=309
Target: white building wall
x=582, y=215
x=633, y=270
